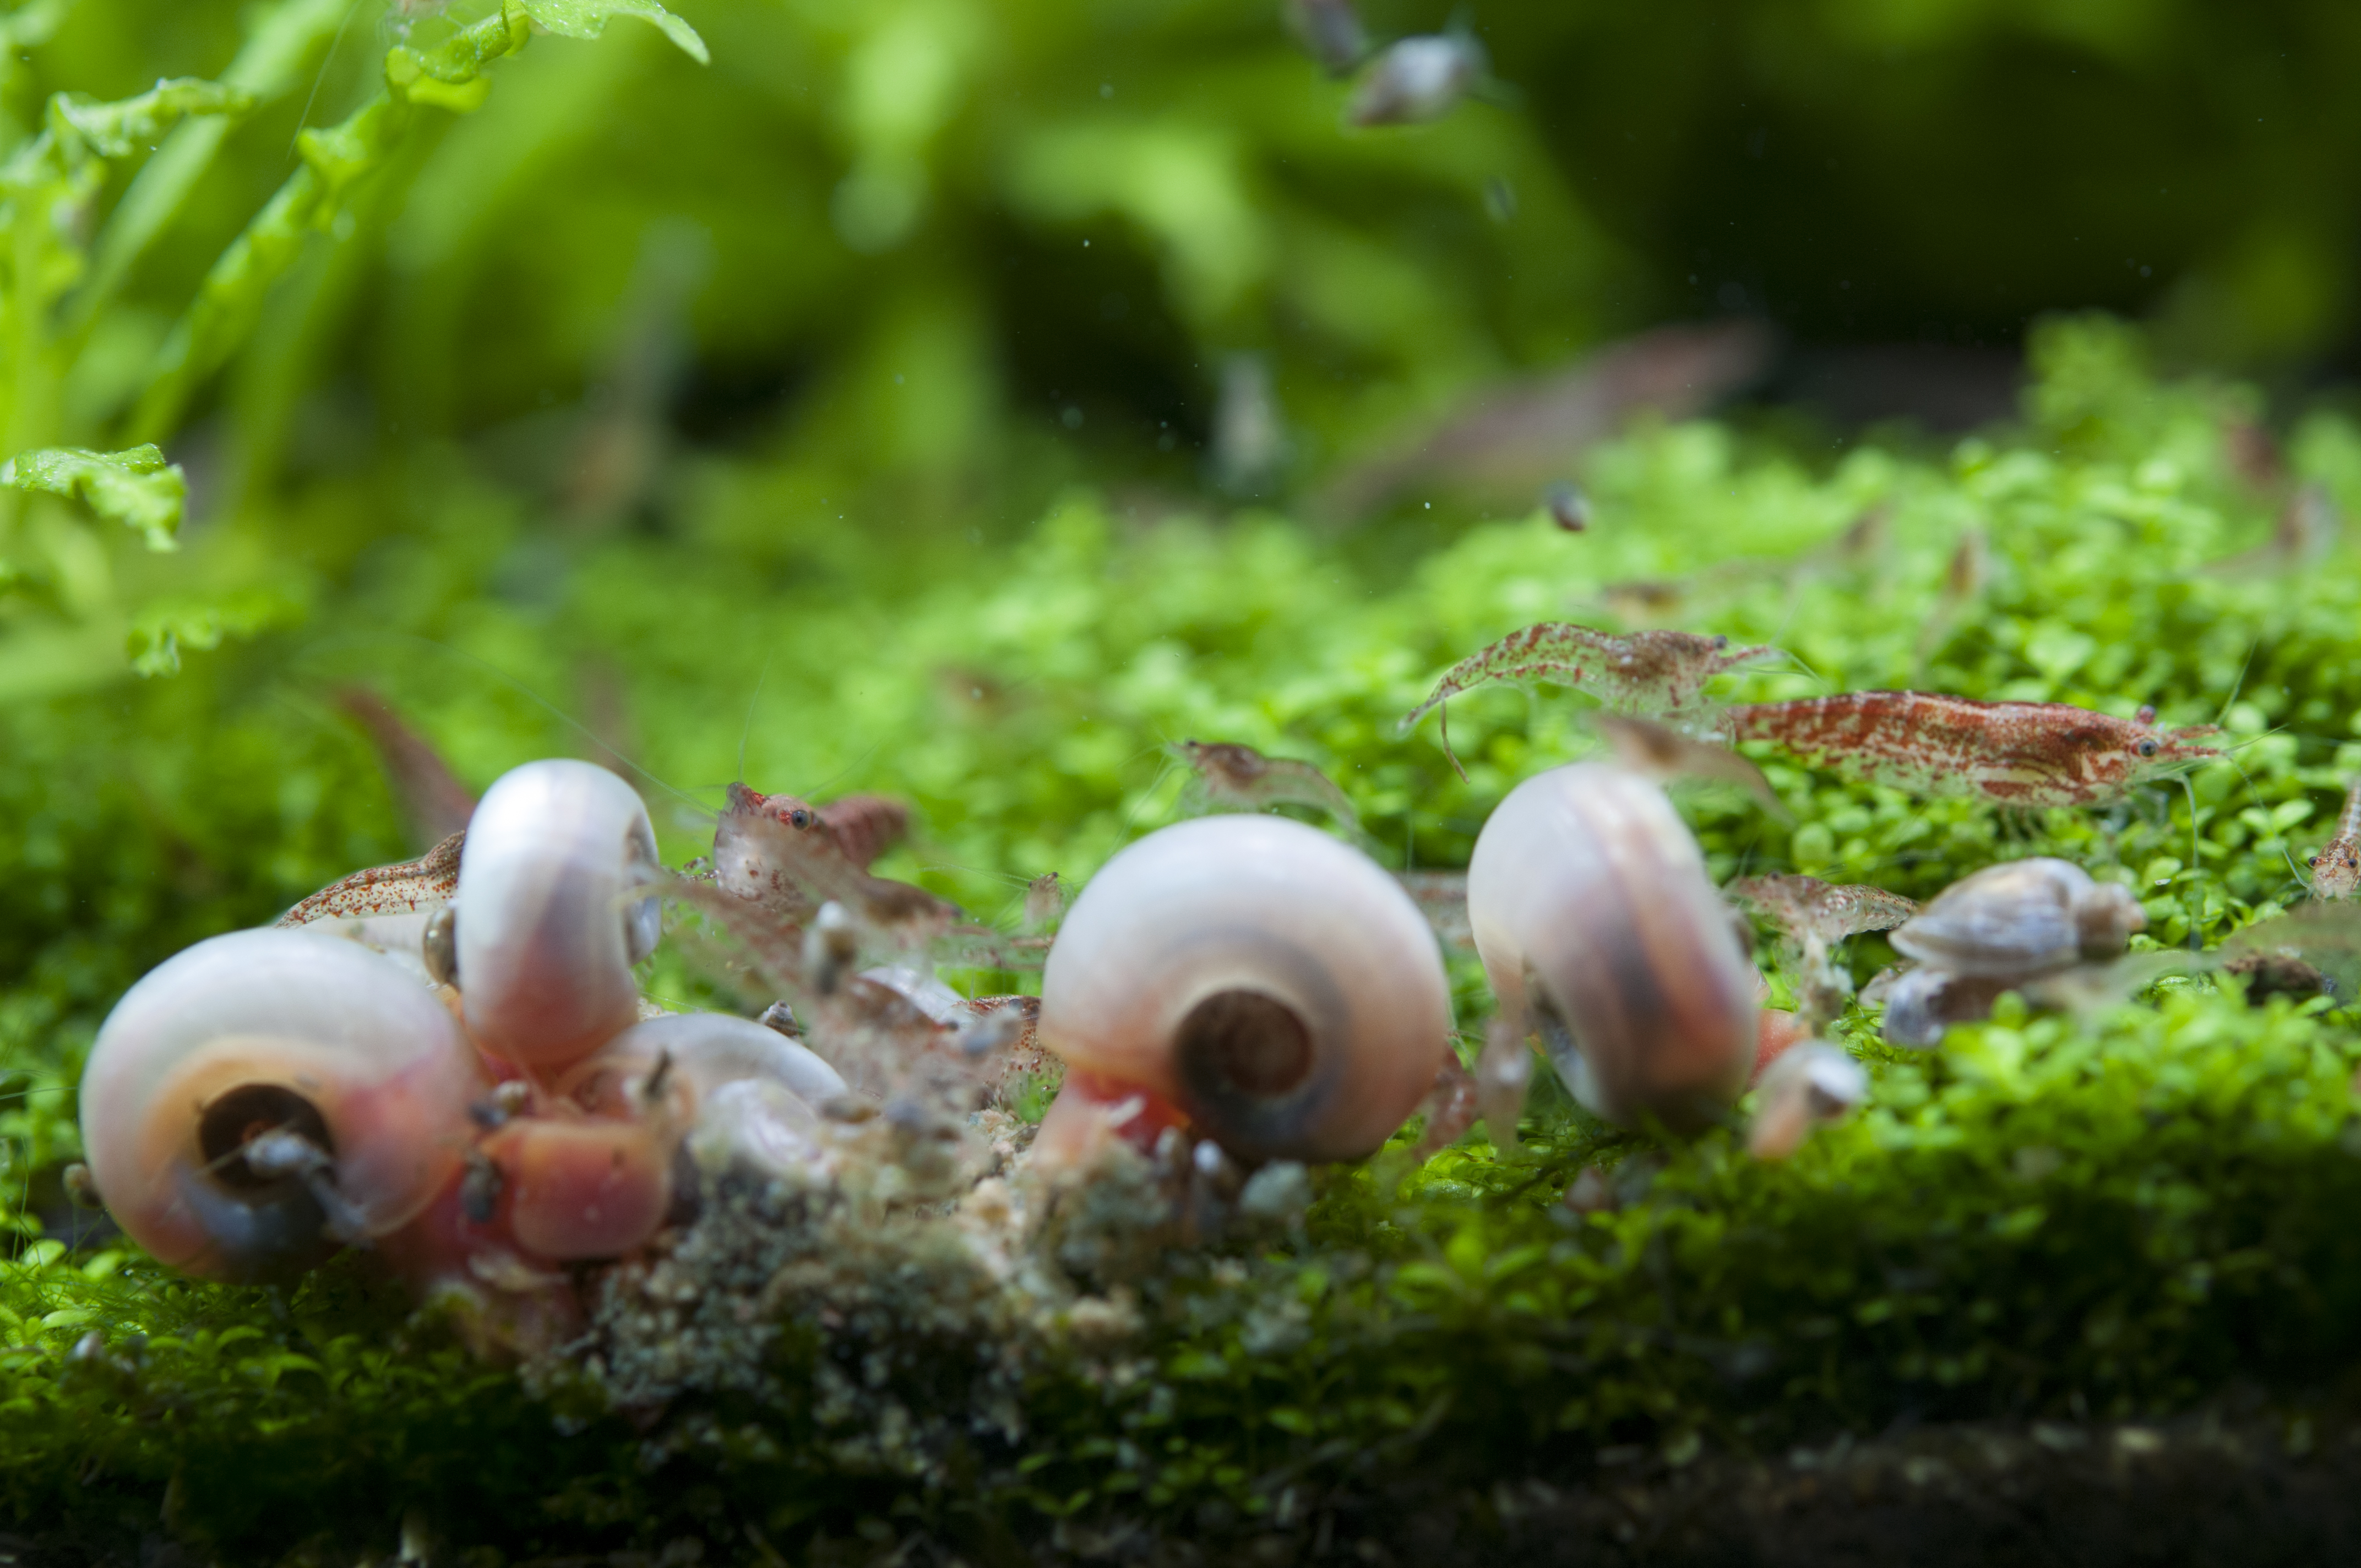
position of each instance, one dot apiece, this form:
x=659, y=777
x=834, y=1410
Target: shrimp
x=1814, y=916
x=2336, y=870
x=1657, y=673
x=424, y=885
x=2013, y=753
x=1233, y=775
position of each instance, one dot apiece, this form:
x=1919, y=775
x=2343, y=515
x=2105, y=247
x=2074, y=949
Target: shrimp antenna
x=2240, y=684
x=2197, y=869
x=321, y=75
x=2302, y=881
x=752, y=697
x=1148, y=795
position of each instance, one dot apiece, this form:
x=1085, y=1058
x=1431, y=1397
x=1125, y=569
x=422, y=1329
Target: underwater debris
x=1657, y=673
x=1513, y=440
x=1331, y=32
x=1567, y=506
x=2011, y=753
x=2307, y=529
x=1964, y=577
x=1598, y=929
x=1659, y=752
x=1249, y=438
x=2336, y=870
x=1239, y=778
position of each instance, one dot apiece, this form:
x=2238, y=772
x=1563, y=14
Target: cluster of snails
x=473, y=1089
x=473, y=1084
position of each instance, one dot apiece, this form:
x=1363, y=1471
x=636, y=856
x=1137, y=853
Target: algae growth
x=979, y=568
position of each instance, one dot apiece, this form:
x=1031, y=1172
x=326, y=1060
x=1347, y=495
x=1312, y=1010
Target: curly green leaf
x=136, y=487
x=131, y=124
x=162, y=632
x=588, y=19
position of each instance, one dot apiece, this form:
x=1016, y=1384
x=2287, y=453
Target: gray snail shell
x=548, y=928
x=262, y=1031
x=1272, y=982
x=2021, y=917
x=1596, y=922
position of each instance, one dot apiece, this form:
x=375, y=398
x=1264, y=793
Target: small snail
x=745, y=1091
x=546, y=928
x=1271, y=983
x=266, y=1095
x=1596, y=922
x=1996, y=930
x=2021, y=917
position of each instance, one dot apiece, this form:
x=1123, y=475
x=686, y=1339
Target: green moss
x=2103, y=1218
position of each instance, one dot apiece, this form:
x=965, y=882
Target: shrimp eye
x=2313, y=862
x=2147, y=748
x=799, y=817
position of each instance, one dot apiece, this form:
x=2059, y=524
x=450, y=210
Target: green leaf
x=136, y=487
x=131, y=124
x=162, y=631
x=588, y=19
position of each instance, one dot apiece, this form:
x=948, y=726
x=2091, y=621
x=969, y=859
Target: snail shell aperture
x=1596, y=922
x=1270, y=981
x=315, y=1043
x=546, y=926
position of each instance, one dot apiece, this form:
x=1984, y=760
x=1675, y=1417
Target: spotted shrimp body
x=2336, y=870
x=2011, y=753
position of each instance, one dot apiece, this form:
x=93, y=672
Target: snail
x=1994, y=931
x=264, y=1096
x=1255, y=977
x=1596, y=922
x=2021, y=917
x=545, y=927
x=747, y=1091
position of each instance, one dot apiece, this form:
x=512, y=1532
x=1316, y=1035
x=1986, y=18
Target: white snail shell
x=703, y=1051
x=258, y=1030
x=547, y=925
x=1593, y=914
x=1272, y=982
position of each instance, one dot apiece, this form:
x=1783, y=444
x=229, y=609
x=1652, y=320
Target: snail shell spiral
x=262, y=1032
x=1271, y=983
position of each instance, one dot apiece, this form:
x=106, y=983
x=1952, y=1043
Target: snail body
x=1271, y=983
x=263, y=1096
x=547, y=924
x=1596, y=922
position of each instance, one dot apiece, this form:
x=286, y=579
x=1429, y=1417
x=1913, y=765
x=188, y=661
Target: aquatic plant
x=2126, y=1214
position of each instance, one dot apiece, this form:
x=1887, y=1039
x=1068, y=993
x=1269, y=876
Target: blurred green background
x=604, y=398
